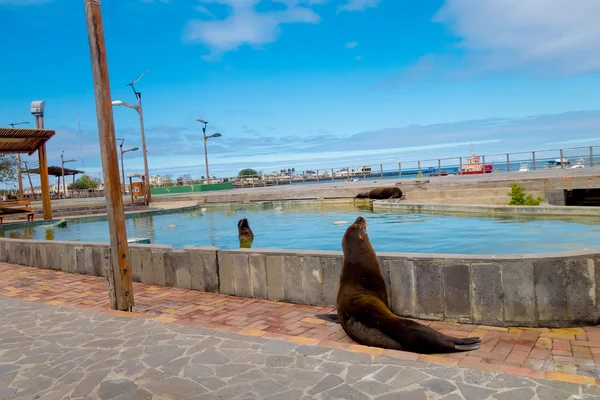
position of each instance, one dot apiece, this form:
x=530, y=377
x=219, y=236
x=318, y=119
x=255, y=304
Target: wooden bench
x=16, y=207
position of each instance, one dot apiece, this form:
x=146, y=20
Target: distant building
x=156, y=180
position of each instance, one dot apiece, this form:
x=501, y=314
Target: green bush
x=518, y=197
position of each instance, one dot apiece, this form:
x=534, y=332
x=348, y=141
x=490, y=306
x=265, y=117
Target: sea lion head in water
x=381, y=194
x=245, y=233
x=362, y=304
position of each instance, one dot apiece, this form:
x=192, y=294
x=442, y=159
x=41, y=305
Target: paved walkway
x=559, y=355
x=53, y=352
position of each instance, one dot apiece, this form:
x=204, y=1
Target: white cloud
x=550, y=36
x=203, y=10
x=245, y=25
x=351, y=45
x=358, y=5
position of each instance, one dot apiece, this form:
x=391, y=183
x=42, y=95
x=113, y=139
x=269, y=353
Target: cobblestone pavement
x=567, y=355
x=55, y=352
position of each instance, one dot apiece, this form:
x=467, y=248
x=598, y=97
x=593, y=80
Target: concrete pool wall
x=542, y=290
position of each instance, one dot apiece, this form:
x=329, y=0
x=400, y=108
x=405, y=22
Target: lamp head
x=216, y=135
x=117, y=103
x=202, y=121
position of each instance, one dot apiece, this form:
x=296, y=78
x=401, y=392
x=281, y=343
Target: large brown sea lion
x=381, y=194
x=362, y=304
x=245, y=234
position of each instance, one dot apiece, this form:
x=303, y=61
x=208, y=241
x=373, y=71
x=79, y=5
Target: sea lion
x=362, y=304
x=381, y=194
x=245, y=234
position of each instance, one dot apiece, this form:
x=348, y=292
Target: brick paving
x=567, y=355
x=56, y=352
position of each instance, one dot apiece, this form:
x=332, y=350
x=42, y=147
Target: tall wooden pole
x=118, y=266
x=45, y=185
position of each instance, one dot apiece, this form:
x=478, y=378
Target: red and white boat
x=473, y=166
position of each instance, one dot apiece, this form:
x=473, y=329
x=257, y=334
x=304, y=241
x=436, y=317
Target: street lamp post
x=122, y=169
x=122, y=165
x=19, y=173
x=138, y=108
x=214, y=135
x=62, y=160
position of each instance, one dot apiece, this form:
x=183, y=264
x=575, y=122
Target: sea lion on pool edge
x=245, y=234
x=362, y=304
x=381, y=194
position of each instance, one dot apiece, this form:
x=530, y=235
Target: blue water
x=310, y=227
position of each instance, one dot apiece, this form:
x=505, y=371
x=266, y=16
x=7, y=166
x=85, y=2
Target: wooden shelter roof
x=57, y=171
x=13, y=140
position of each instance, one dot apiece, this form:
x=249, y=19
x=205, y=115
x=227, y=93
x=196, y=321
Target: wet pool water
x=311, y=227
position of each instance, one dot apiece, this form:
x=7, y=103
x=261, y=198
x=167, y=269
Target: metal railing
x=518, y=162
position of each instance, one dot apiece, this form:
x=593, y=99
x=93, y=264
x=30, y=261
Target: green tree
x=83, y=183
x=518, y=197
x=8, y=168
x=248, y=173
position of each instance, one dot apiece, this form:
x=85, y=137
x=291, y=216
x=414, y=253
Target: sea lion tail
x=363, y=195
x=329, y=317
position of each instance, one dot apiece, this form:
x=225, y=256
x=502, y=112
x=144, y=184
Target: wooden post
x=45, y=185
x=118, y=270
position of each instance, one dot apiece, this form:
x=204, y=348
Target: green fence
x=192, y=189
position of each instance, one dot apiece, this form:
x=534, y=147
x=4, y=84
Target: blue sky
x=309, y=83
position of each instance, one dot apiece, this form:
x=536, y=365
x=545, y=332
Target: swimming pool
x=311, y=227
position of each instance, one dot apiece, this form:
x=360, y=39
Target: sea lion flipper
x=467, y=347
x=329, y=317
x=467, y=344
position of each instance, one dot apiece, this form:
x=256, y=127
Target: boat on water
x=524, y=167
x=560, y=162
x=474, y=166
x=579, y=164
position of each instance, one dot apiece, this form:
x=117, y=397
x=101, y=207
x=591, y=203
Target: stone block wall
x=538, y=290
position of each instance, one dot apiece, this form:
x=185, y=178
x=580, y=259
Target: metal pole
x=20, y=175
x=317, y=176
x=439, y=167
x=332, y=176
x=533, y=156
x=62, y=160
x=400, y=170
x=123, y=170
x=118, y=269
x=508, y=162
x=460, y=165
x=29, y=177
x=591, y=156
x=381, y=169
x=146, y=173
x=206, y=160
x=483, y=162
x=561, y=159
